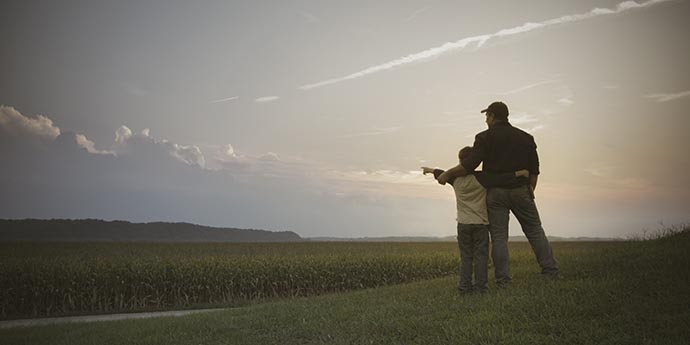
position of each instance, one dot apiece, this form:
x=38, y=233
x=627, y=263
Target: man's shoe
x=504, y=285
x=552, y=276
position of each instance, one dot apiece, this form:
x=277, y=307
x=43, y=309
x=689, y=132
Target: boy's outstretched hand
x=522, y=173
x=426, y=170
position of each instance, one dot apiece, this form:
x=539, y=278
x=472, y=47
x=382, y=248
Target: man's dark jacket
x=503, y=149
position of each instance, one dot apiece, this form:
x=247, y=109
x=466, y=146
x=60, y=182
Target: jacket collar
x=502, y=124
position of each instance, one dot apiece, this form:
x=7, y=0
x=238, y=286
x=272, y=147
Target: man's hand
x=522, y=173
x=452, y=173
x=533, y=181
x=426, y=170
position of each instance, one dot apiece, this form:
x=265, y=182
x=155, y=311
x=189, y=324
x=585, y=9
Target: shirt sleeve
x=533, y=164
x=438, y=172
x=478, y=153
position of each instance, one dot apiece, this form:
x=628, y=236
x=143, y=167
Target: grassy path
x=98, y=318
x=631, y=293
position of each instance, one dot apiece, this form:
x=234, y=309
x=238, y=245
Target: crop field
x=50, y=279
x=47, y=279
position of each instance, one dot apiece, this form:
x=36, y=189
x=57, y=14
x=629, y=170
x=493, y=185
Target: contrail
x=266, y=99
x=481, y=39
x=665, y=97
x=223, y=100
x=527, y=87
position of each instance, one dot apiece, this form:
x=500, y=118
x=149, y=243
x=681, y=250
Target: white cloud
x=416, y=14
x=481, y=39
x=13, y=121
x=122, y=134
x=518, y=29
x=128, y=144
x=223, y=99
x=227, y=151
x=522, y=118
x=269, y=157
x=600, y=170
x=266, y=99
x=190, y=154
x=665, y=97
x=530, y=86
x=375, y=131
x=567, y=101
x=534, y=129
x=84, y=142
x=424, y=55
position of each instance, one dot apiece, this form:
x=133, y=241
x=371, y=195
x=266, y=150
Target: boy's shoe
x=465, y=291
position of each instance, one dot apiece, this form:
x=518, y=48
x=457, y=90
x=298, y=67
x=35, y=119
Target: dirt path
x=93, y=318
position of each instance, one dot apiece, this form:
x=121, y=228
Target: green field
x=611, y=293
x=54, y=279
x=59, y=279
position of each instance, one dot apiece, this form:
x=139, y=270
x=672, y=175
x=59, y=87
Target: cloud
x=15, y=123
x=417, y=57
x=266, y=99
x=522, y=118
x=416, y=14
x=223, y=99
x=480, y=40
x=567, y=101
x=269, y=157
x=527, y=87
x=376, y=131
x=89, y=145
x=391, y=176
x=600, y=171
x=190, y=154
x=665, y=97
x=122, y=134
x=227, y=151
x=151, y=179
x=534, y=129
x=129, y=144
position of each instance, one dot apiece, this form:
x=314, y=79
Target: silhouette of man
x=503, y=148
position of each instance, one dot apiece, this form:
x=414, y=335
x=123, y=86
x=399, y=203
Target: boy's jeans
x=499, y=202
x=473, y=240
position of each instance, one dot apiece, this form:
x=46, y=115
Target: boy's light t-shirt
x=471, y=200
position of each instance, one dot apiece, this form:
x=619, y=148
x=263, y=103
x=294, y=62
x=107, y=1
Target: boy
x=473, y=221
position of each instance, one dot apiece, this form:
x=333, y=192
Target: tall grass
x=59, y=279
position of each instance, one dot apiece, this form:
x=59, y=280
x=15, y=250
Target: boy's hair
x=465, y=152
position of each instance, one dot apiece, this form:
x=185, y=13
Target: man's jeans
x=473, y=240
x=499, y=202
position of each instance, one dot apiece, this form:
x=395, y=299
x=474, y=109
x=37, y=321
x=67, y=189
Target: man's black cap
x=499, y=109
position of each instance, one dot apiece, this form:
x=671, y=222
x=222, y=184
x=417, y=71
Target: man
x=503, y=148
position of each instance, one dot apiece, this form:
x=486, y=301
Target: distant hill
x=95, y=230
x=450, y=239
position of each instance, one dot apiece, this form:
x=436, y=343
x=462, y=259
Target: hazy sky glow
x=315, y=116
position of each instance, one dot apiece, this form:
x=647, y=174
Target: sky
x=316, y=116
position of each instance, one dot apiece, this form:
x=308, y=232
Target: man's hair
x=500, y=117
x=464, y=152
